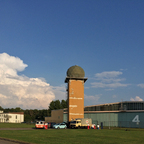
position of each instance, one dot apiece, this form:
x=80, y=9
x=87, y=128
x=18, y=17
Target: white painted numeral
x=72, y=91
x=136, y=119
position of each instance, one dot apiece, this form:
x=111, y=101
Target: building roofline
x=115, y=103
x=114, y=111
x=58, y=109
x=15, y=113
x=75, y=78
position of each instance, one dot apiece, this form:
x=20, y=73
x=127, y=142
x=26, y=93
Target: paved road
x=7, y=142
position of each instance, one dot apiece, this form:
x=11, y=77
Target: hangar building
x=128, y=114
x=119, y=114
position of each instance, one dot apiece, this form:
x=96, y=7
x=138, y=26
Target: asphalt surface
x=6, y=142
x=9, y=141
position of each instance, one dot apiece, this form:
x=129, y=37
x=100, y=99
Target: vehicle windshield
x=57, y=124
x=39, y=122
x=74, y=122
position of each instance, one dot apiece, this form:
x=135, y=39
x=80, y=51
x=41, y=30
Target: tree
x=1, y=108
x=18, y=109
x=54, y=105
x=64, y=104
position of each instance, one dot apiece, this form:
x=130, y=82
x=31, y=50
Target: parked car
x=67, y=124
x=60, y=126
x=50, y=124
x=55, y=125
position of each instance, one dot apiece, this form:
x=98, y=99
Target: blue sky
x=40, y=40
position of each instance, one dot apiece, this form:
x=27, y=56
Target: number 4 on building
x=136, y=119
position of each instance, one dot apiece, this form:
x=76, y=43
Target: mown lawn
x=16, y=125
x=76, y=136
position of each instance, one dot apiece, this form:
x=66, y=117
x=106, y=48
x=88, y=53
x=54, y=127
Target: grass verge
x=16, y=125
x=75, y=136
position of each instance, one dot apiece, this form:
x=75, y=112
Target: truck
x=81, y=123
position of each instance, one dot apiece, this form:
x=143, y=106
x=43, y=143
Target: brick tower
x=75, y=79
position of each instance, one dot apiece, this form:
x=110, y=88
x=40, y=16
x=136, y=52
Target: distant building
x=128, y=114
x=119, y=114
x=56, y=116
x=12, y=117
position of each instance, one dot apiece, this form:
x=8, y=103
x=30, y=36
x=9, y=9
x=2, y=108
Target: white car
x=60, y=126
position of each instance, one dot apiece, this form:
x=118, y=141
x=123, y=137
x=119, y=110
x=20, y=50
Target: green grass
x=75, y=136
x=16, y=125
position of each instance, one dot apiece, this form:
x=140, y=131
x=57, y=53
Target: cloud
x=92, y=99
x=108, y=79
x=60, y=92
x=9, y=65
x=114, y=96
x=22, y=91
x=109, y=89
x=104, y=85
x=137, y=98
x=108, y=74
x=123, y=69
x=141, y=85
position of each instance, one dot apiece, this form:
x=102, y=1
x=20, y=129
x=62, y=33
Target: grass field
x=16, y=125
x=76, y=136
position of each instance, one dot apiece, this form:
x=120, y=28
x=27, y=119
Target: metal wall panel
x=65, y=117
x=131, y=119
x=106, y=118
x=118, y=119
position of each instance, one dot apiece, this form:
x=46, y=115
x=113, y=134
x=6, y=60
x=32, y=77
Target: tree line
x=30, y=115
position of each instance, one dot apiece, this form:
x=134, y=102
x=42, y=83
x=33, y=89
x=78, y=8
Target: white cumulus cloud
x=141, y=85
x=108, y=79
x=137, y=98
x=108, y=74
x=60, y=92
x=9, y=65
x=91, y=99
x=22, y=91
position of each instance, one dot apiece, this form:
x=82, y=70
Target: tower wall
x=76, y=99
